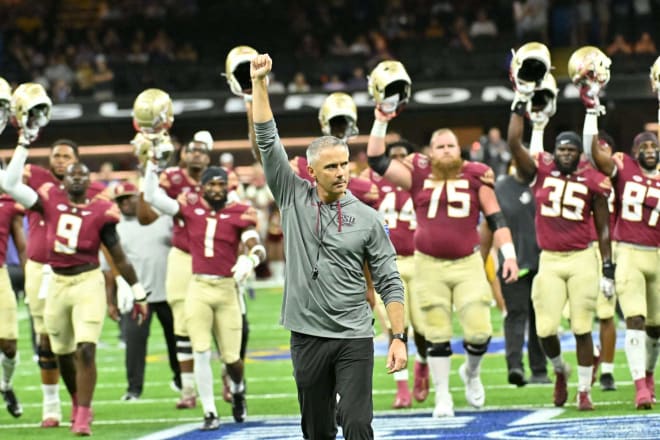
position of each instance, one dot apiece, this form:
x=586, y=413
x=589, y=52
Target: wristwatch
x=402, y=336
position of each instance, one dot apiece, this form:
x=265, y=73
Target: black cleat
x=211, y=422
x=239, y=406
x=607, y=382
x=13, y=406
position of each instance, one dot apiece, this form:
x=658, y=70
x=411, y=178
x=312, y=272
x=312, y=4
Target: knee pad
x=183, y=348
x=441, y=349
x=47, y=359
x=476, y=349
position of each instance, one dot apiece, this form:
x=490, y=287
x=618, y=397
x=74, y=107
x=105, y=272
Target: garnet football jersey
x=74, y=231
x=214, y=237
x=447, y=211
x=639, y=203
x=176, y=181
x=8, y=210
x=564, y=219
x=36, y=251
x=396, y=206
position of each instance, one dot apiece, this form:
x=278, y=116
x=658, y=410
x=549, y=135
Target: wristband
x=379, y=129
x=508, y=251
x=138, y=292
x=590, y=123
x=608, y=269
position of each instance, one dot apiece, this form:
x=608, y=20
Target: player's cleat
x=403, y=398
x=643, y=398
x=226, y=393
x=421, y=382
x=584, y=401
x=474, y=389
x=560, y=394
x=13, y=407
x=50, y=422
x=211, y=422
x=444, y=406
x=239, y=406
x=51, y=414
x=186, y=403
x=607, y=382
x=83, y=420
x=650, y=384
x=516, y=377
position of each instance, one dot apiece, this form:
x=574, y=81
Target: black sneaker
x=211, y=422
x=607, y=382
x=13, y=406
x=239, y=406
x=517, y=378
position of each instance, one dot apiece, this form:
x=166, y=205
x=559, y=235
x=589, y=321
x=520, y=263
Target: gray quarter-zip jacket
x=336, y=239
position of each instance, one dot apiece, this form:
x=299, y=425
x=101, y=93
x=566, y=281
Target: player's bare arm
x=501, y=233
x=525, y=165
x=602, y=158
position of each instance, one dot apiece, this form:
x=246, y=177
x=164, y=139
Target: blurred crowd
x=79, y=49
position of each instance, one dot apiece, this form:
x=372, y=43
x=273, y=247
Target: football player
x=175, y=181
x=637, y=186
x=396, y=206
x=448, y=195
x=215, y=230
x=568, y=193
x=75, y=305
x=63, y=152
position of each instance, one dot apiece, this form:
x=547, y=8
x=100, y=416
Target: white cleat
x=444, y=406
x=474, y=389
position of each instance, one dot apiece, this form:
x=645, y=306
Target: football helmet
x=5, y=103
x=529, y=66
x=389, y=86
x=30, y=110
x=237, y=69
x=152, y=112
x=655, y=76
x=544, y=100
x=338, y=116
x=589, y=66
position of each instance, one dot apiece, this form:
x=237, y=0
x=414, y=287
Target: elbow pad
x=379, y=164
x=496, y=221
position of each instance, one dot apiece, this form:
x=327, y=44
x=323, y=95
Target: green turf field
x=271, y=390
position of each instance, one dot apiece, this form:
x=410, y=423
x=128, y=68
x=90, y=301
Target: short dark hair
x=409, y=146
x=68, y=143
x=605, y=137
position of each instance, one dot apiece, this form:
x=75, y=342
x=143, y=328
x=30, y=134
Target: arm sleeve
x=155, y=196
x=381, y=259
x=15, y=167
x=279, y=175
x=22, y=193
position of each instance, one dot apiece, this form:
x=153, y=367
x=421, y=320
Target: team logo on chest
x=347, y=220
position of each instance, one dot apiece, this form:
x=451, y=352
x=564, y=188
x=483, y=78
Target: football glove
x=124, y=295
x=607, y=280
x=244, y=266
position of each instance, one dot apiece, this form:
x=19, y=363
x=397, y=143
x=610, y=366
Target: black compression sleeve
x=379, y=164
x=109, y=235
x=496, y=221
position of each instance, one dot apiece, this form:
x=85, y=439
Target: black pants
x=520, y=317
x=325, y=369
x=136, y=345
